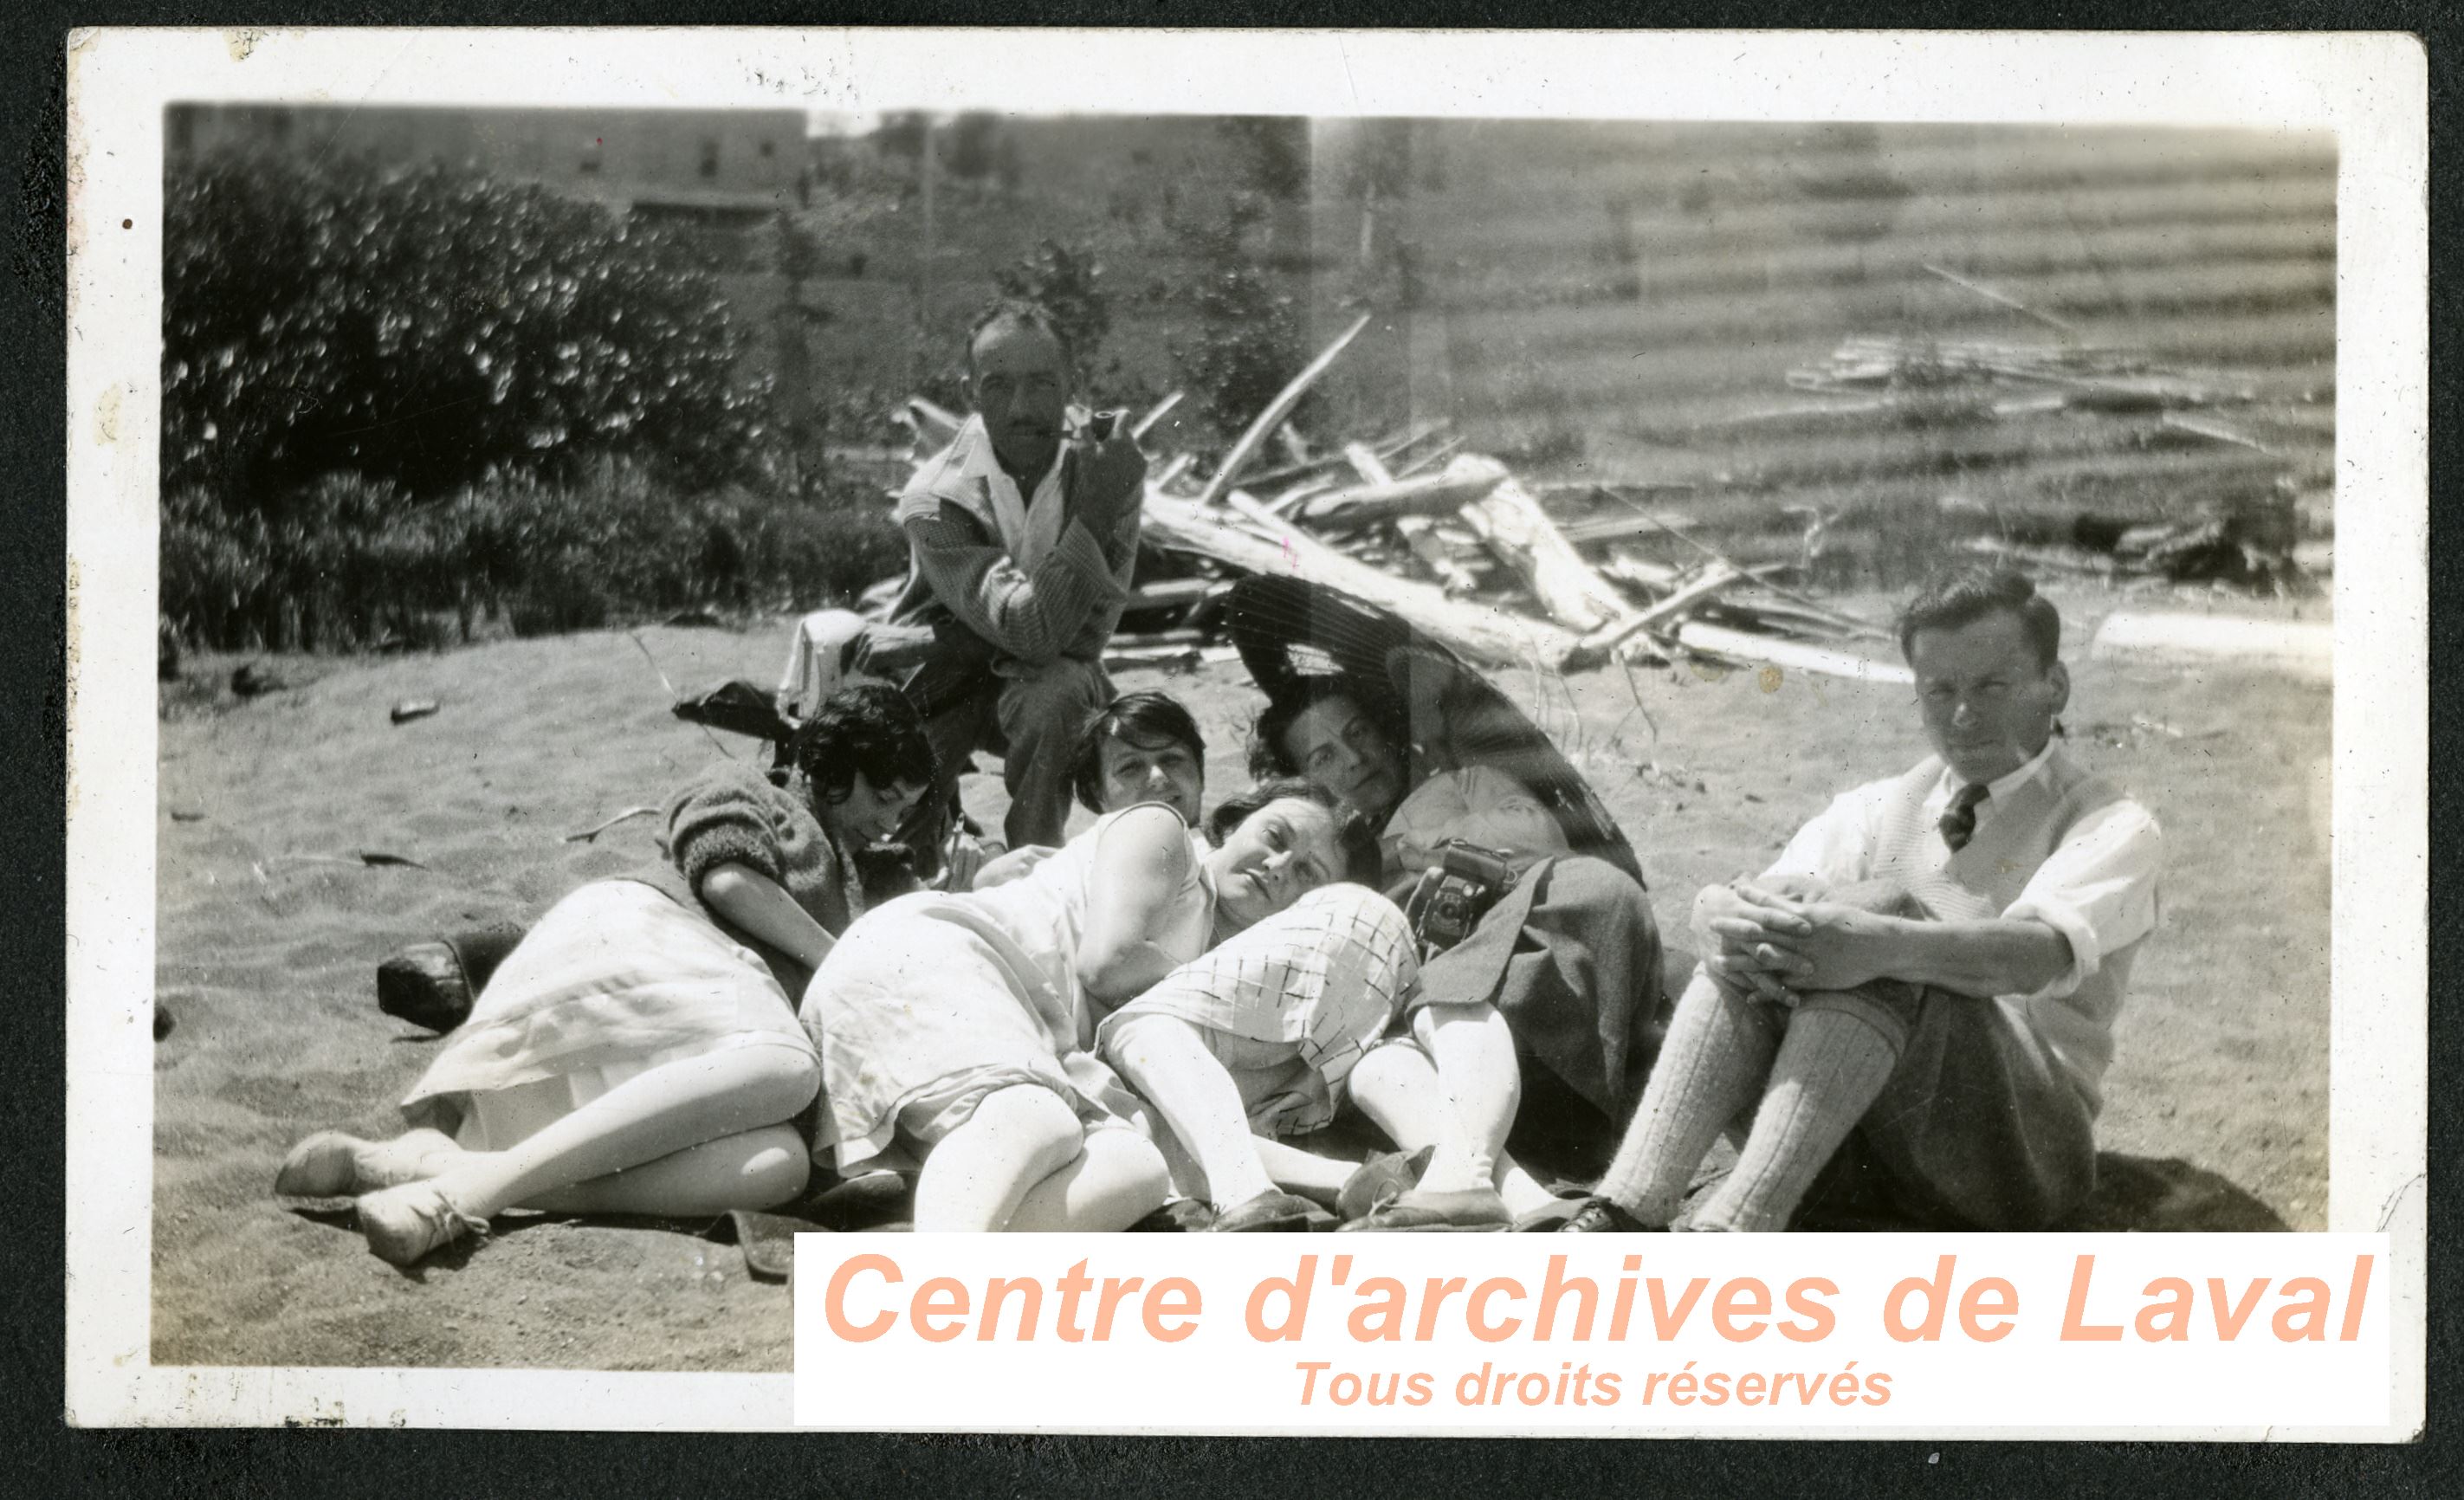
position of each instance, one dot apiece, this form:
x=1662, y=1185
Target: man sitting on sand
x=1023, y=536
x=1921, y=992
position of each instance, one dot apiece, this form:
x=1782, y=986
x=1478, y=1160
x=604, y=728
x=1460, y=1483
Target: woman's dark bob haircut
x=1362, y=861
x=1147, y=719
x=868, y=727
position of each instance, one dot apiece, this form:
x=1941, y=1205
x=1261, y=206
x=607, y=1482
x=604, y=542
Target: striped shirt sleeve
x=1033, y=617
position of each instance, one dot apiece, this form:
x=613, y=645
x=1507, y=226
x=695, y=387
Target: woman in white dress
x=639, y=1052
x=958, y=1033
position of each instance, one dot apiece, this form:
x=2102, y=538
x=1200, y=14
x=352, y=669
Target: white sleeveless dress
x=931, y=1003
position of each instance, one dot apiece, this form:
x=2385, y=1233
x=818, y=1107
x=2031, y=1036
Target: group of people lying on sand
x=1084, y=1034
x=1912, y=1006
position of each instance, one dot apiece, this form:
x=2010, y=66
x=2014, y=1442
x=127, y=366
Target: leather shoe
x=1377, y=1183
x=1272, y=1212
x=1550, y=1217
x=1474, y=1210
x=1180, y=1216
x=1600, y=1216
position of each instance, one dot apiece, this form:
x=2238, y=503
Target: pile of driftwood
x=1452, y=542
x=2245, y=534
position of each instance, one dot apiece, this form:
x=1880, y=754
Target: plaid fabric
x=1325, y=976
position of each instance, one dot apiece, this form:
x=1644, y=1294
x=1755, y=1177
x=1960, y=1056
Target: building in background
x=725, y=167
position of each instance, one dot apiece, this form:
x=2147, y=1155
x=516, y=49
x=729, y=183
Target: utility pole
x=932, y=170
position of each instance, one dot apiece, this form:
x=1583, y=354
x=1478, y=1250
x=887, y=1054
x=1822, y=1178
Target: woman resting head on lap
x=638, y=1052
x=957, y=1032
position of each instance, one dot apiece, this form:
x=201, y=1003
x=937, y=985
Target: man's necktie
x=1958, y=819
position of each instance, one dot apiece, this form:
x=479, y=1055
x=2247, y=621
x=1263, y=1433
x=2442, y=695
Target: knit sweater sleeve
x=728, y=815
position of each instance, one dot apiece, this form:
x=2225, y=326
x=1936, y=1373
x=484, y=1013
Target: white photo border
x=2368, y=89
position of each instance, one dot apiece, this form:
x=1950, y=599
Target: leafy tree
x=426, y=326
x=1069, y=281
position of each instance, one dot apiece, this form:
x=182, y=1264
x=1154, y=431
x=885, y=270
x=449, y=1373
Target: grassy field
x=269, y=925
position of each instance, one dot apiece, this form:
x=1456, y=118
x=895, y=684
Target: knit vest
x=1984, y=878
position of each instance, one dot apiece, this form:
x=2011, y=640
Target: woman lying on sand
x=639, y=1054
x=996, y=1094
x=959, y=1031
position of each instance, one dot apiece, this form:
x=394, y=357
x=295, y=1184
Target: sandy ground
x=271, y=925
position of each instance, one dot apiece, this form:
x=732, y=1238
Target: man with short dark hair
x=1023, y=535
x=1917, y=1001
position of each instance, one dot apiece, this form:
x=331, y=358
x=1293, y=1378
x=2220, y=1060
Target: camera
x=1453, y=896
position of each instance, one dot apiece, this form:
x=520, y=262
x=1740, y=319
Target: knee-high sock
x=1830, y=1066
x=1712, y=1066
x=1167, y=1062
x=975, y=1180
x=670, y=1107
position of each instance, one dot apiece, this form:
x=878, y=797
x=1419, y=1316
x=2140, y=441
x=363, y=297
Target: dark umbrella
x=1289, y=631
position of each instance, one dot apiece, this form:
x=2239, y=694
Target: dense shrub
x=349, y=563
x=430, y=326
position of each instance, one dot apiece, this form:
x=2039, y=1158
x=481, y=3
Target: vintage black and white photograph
x=734, y=671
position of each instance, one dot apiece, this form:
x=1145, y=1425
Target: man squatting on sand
x=1920, y=991
x=1022, y=539
x=999, y=636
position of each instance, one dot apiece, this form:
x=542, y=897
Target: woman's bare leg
x=1117, y=1181
x=1303, y=1171
x=975, y=1179
x=755, y=1169
x=1399, y=1088
x=654, y=1114
x=1167, y=1061
x=1482, y=1085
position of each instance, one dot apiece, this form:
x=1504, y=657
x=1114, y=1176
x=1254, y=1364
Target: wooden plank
x=1173, y=470
x=1418, y=532
x=1146, y=424
x=1626, y=565
x=2304, y=649
x=1165, y=591
x=1241, y=534
x=1273, y=416
x=1324, y=462
x=1366, y=463
x=1509, y=523
x=1451, y=489
x=1743, y=646
x=1602, y=644
x=1430, y=459
x=1761, y=575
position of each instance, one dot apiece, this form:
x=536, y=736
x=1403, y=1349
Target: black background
x=43, y=1454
